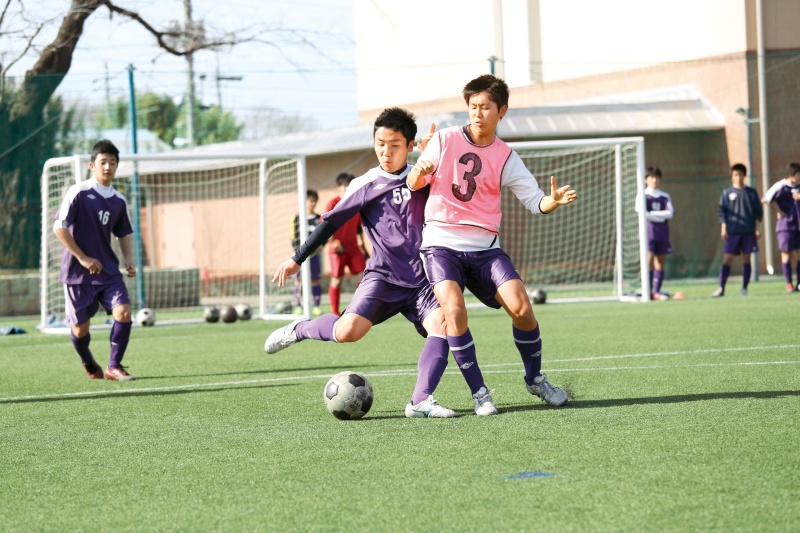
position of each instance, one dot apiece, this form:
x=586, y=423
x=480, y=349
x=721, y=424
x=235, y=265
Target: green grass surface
x=685, y=417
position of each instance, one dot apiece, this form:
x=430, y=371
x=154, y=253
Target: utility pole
x=223, y=78
x=189, y=34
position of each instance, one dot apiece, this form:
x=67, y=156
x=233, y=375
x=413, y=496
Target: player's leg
x=315, y=264
x=424, y=312
x=334, y=289
x=786, y=246
x=81, y=306
x=115, y=297
x=658, y=272
x=650, y=260
x=731, y=249
x=445, y=270
x=796, y=256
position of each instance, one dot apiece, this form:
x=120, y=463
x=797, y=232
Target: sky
x=314, y=81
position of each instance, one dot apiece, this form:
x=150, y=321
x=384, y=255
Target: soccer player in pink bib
x=465, y=168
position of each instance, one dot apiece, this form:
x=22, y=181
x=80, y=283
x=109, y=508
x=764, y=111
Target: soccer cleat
x=428, y=408
x=484, y=405
x=93, y=370
x=117, y=373
x=791, y=288
x=551, y=394
x=316, y=311
x=660, y=296
x=719, y=293
x=743, y=292
x=282, y=337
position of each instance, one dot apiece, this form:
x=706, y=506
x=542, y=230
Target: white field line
x=413, y=371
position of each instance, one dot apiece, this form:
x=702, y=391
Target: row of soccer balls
x=147, y=317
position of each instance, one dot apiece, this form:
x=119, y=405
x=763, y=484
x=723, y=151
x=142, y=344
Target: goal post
x=213, y=228
x=591, y=249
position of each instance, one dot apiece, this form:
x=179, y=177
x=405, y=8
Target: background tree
x=23, y=117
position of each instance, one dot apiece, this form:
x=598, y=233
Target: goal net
x=207, y=231
x=590, y=249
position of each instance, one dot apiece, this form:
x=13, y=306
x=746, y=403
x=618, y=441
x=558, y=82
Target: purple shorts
x=788, y=241
x=377, y=301
x=741, y=243
x=83, y=301
x=659, y=247
x=480, y=272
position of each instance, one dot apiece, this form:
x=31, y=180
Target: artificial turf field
x=685, y=417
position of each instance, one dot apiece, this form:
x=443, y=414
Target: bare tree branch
x=5, y=10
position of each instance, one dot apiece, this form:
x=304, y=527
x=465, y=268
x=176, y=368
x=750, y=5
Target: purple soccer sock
x=651, y=281
x=82, y=347
x=430, y=367
x=296, y=295
x=120, y=335
x=463, y=348
x=747, y=270
x=787, y=272
x=797, y=269
x=316, y=293
x=658, y=279
x=321, y=328
x=529, y=344
x=724, y=272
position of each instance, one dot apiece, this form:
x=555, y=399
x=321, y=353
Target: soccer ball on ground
x=146, y=317
x=211, y=314
x=538, y=296
x=348, y=395
x=229, y=315
x=244, y=312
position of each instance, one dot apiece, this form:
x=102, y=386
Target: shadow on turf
x=134, y=392
x=337, y=368
x=623, y=402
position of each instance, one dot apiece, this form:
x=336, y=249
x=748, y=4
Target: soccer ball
x=146, y=317
x=211, y=314
x=244, y=312
x=348, y=395
x=229, y=315
x=538, y=296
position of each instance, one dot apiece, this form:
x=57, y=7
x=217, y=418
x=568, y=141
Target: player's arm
x=291, y=266
x=126, y=246
x=416, y=178
x=89, y=263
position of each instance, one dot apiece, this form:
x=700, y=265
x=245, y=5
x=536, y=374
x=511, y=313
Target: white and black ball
x=538, y=296
x=211, y=314
x=244, y=312
x=146, y=317
x=348, y=395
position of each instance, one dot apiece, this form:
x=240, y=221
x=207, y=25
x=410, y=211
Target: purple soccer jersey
x=657, y=230
x=92, y=213
x=781, y=194
x=392, y=216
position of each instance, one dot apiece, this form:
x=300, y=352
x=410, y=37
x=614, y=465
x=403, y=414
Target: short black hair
x=495, y=87
x=738, y=167
x=344, y=178
x=793, y=168
x=104, y=146
x=311, y=193
x=397, y=119
x=653, y=171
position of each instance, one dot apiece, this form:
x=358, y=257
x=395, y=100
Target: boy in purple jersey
x=739, y=212
x=784, y=198
x=464, y=168
x=394, y=280
x=658, y=211
x=90, y=213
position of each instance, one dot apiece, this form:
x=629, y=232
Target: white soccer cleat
x=484, y=405
x=551, y=394
x=743, y=292
x=428, y=408
x=720, y=292
x=282, y=337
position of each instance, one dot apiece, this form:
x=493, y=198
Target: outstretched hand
x=422, y=143
x=286, y=269
x=561, y=195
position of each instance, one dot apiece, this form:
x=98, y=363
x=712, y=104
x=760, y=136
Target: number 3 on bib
x=469, y=176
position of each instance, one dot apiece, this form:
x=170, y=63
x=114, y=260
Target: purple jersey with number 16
x=93, y=212
x=392, y=216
